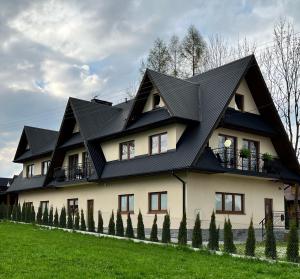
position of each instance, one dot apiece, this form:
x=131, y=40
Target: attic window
x=27, y=147
x=156, y=101
x=239, y=102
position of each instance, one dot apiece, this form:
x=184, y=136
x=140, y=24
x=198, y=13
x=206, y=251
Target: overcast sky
x=50, y=50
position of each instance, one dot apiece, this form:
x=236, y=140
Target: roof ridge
x=38, y=128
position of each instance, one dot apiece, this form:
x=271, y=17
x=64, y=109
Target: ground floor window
x=126, y=203
x=73, y=206
x=44, y=205
x=158, y=202
x=229, y=203
x=28, y=204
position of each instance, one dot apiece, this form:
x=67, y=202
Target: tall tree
x=158, y=58
x=282, y=72
x=175, y=56
x=193, y=49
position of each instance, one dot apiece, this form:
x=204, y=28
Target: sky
x=51, y=50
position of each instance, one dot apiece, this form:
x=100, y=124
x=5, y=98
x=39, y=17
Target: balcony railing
x=255, y=162
x=74, y=172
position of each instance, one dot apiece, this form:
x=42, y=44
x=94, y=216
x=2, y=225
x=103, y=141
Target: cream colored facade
x=37, y=166
x=149, y=102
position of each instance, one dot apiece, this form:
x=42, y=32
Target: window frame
x=155, y=95
x=159, y=143
x=44, y=202
x=127, y=143
x=159, y=210
x=31, y=167
x=73, y=211
x=242, y=99
x=43, y=165
x=232, y=211
x=127, y=200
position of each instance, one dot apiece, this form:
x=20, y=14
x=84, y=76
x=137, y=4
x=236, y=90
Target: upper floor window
x=44, y=205
x=73, y=206
x=229, y=203
x=30, y=171
x=158, y=202
x=239, y=102
x=159, y=143
x=45, y=167
x=227, y=155
x=252, y=162
x=127, y=150
x=126, y=203
x=156, y=101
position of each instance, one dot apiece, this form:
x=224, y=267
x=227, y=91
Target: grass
x=27, y=251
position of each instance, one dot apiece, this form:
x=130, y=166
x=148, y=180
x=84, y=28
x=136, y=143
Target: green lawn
x=27, y=251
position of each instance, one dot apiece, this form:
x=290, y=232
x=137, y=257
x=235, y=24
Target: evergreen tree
x=19, y=213
x=63, y=218
x=100, y=222
x=70, y=220
x=28, y=213
x=213, y=243
x=119, y=224
x=153, y=235
x=82, y=223
x=166, y=233
x=23, y=216
x=56, y=222
x=250, y=243
x=182, y=233
x=229, y=246
x=2, y=211
x=50, y=221
x=292, y=251
x=111, y=225
x=197, y=233
x=32, y=214
x=39, y=215
x=140, y=227
x=45, y=217
x=270, y=248
x=8, y=212
x=14, y=212
x=91, y=222
x=77, y=221
x=129, y=229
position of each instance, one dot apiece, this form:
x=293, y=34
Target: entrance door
x=73, y=165
x=268, y=209
x=90, y=212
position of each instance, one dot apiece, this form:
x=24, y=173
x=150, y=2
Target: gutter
x=183, y=191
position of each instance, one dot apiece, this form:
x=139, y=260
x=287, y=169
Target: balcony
x=247, y=161
x=73, y=173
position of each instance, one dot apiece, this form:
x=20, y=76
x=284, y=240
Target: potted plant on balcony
x=267, y=158
x=59, y=174
x=245, y=153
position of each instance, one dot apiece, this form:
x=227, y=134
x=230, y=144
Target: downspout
x=183, y=191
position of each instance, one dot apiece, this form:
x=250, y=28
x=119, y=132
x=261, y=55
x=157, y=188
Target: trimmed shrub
x=8, y=212
x=91, y=223
x=56, y=222
x=2, y=211
x=100, y=222
x=292, y=251
x=77, y=221
x=270, y=248
x=32, y=215
x=82, y=221
x=62, y=218
x=14, y=212
x=250, y=243
x=70, y=220
x=50, y=220
x=129, y=229
x=166, y=233
x=19, y=213
x=119, y=224
x=182, y=233
x=153, y=235
x=111, y=224
x=213, y=241
x=140, y=227
x=45, y=217
x=229, y=246
x=39, y=215
x=197, y=233
x=23, y=215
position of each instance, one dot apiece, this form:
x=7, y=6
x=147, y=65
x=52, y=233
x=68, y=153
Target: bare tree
x=243, y=48
x=282, y=71
x=193, y=49
x=175, y=56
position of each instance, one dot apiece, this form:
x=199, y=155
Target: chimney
x=102, y=102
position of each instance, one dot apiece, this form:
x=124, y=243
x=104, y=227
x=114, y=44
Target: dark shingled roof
x=23, y=184
x=201, y=102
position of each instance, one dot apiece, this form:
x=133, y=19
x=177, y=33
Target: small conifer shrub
x=39, y=215
x=63, y=218
x=250, y=243
x=197, y=233
x=153, y=235
x=292, y=251
x=23, y=215
x=166, y=233
x=100, y=222
x=91, y=222
x=119, y=224
x=213, y=241
x=50, y=220
x=32, y=214
x=14, y=212
x=111, y=225
x=140, y=227
x=270, y=248
x=45, y=216
x=77, y=221
x=19, y=213
x=129, y=228
x=82, y=223
x=182, y=233
x=70, y=220
x=56, y=219
x=229, y=246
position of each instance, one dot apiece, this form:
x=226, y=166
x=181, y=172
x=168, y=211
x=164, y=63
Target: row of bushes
x=77, y=222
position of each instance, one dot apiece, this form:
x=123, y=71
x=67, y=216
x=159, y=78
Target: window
x=30, y=171
x=251, y=163
x=127, y=150
x=45, y=167
x=158, y=202
x=229, y=203
x=28, y=204
x=126, y=203
x=227, y=156
x=156, y=101
x=73, y=206
x=86, y=166
x=159, y=143
x=44, y=205
x=239, y=102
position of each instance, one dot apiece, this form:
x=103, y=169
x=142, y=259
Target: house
x=213, y=142
x=4, y=184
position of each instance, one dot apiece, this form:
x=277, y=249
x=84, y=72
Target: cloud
x=6, y=156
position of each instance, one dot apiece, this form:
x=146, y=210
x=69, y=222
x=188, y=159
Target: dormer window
x=239, y=102
x=156, y=101
x=30, y=171
x=127, y=150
